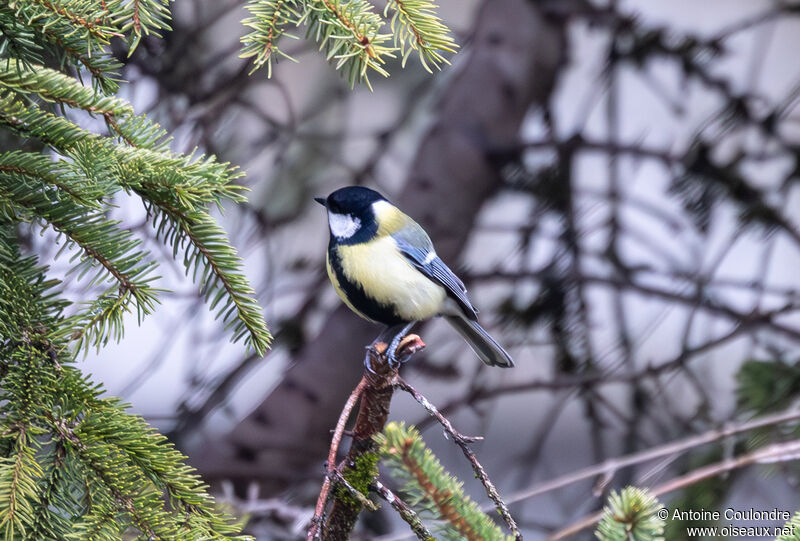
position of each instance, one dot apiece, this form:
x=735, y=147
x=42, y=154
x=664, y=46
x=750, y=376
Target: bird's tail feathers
x=480, y=341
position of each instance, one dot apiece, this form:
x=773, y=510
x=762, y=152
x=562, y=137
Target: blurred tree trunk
x=512, y=64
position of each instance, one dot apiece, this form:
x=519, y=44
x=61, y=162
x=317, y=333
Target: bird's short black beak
x=321, y=201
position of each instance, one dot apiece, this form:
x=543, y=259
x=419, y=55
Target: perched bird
x=383, y=266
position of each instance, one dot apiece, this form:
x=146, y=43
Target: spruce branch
x=52, y=85
x=131, y=469
x=97, y=324
x=152, y=455
x=56, y=174
x=32, y=121
x=143, y=164
x=55, y=86
x=54, y=495
x=138, y=18
x=29, y=39
x=28, y=301
x=103, y=69
x=74, y=465
x=176, y=190
x=104, y=245
x=19, y=474
x=17, y=40
x=416, y=27
x=221, y=280
x=268, y=21
x=83, y=18
x=349, y=31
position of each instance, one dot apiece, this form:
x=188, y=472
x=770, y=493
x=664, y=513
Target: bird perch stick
x=374, y=392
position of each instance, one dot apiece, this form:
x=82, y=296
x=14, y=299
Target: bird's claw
x=368, y=360
x=395, y=353
x=392, y=350
x=394, y=364
x=380, y=349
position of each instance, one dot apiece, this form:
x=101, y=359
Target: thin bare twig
x=405, y=512
x=330, y=466
x=479, y=394
x=611, y=466
x=777, y=452
x=462, y=442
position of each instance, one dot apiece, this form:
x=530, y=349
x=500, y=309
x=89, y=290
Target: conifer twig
x=462, y=442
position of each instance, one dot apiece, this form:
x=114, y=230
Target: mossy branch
x=373, y=394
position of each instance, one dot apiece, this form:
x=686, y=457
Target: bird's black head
x=353, y=200
x=351, y=214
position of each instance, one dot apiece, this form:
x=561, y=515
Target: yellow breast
x=339, y=291
x=386, y=276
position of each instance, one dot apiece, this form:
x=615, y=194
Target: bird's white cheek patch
x=381, y=207
x=343, y=226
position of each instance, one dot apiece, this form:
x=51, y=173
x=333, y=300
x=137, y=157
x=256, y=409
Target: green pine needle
x=138, y=18
x=416, y=27
x=19, y=474
x=350, y=33
x=268, y=22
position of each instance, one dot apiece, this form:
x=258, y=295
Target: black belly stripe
x=358, y=298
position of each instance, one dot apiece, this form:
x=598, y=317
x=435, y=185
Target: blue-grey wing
x=417, y=247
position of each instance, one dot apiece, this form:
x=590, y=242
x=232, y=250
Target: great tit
x=384, y=267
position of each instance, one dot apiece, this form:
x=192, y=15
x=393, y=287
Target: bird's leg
x=392, y=335
x=384, y=337
x=398, y=337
